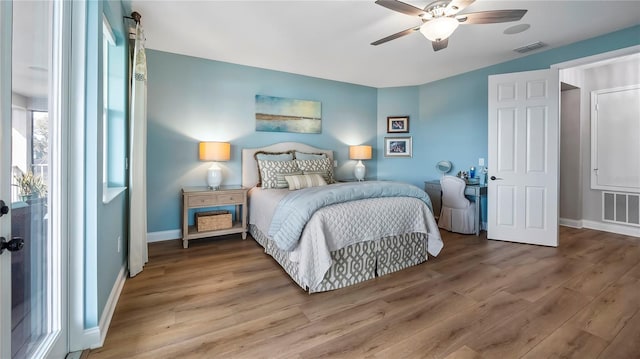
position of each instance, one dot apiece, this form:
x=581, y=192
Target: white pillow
x=304, y=181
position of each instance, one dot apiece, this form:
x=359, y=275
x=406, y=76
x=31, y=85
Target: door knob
x=493, y=178
x=15, y=244
x=4, y=209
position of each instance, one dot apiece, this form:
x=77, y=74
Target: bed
x=328, y=235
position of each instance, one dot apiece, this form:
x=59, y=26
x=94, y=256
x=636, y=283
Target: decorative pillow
x=304, y=181
x=271, y=156
x=281, y=182
x=269, y=171
x=319, y=166
x=308, y=156
x=324, y=174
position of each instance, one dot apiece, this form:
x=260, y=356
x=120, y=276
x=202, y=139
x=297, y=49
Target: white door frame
x=56, y=345
x=6, y=31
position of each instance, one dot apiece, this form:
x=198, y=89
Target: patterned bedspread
x=295, y=209
x=339, y=225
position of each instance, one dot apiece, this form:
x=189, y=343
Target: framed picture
x=278, y=114
x=397, y=146
x=397, y=124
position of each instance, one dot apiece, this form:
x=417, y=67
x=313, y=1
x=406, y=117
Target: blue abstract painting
x=277, y=114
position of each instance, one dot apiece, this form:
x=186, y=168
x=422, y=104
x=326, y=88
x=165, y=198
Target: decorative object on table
x=472, y=172
x=359, y=153
x=398, y=146
x=214, y=151
x=463, y=174
x=30, y=185
x=397, y=124
x=277, y=114
x=444, y=167
x=483, y=175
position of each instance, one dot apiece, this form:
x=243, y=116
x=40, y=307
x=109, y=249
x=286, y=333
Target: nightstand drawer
x=229, y=197
x=205, y=200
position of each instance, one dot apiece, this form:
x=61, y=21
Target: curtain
x=138, y=158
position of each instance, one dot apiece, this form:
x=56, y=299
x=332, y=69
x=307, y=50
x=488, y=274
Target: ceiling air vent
x=532, y=46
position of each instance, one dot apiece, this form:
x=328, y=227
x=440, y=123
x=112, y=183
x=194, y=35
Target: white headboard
x=250, y=166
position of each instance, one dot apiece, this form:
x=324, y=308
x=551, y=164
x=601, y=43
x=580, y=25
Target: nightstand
x=203, y=197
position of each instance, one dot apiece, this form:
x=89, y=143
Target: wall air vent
x=621, y=208
x=532, y=46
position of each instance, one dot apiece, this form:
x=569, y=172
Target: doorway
x=580, y=205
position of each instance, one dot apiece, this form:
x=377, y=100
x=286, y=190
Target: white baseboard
x=94, y=337
x=601, y=226
x=91, y=338
x=164, y=235
x=612, y=227
x=573, y=223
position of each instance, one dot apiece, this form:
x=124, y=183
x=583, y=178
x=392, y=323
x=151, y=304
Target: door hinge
x=126, y=163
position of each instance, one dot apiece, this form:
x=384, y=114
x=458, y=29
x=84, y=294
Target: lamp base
x=359, y=171
x=214, y=176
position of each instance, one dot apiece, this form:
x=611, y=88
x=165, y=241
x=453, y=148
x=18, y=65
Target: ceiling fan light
x=439, y=28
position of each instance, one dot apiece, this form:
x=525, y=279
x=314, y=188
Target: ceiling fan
x=439, y=19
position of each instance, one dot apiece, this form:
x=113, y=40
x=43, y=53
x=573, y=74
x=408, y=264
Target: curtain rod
x=135, y=16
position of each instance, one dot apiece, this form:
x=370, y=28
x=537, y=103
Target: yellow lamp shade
x=215, y=151
x=360, y=152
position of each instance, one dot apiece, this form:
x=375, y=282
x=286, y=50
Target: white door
x=524, y=157
x=32, y=276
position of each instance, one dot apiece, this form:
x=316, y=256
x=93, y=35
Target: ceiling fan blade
x=458, y=5
x=399, y=6
x=491, y=17
x=439, y=45
x=396, y=35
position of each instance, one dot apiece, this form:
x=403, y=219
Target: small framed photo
x=397, y=124
x=397, y=146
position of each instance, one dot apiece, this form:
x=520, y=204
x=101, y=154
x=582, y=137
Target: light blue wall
x=400, y=101
x=104, y=222
x=192, y=99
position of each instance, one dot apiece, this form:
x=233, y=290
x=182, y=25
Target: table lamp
x=359, y=153
x=214, y=151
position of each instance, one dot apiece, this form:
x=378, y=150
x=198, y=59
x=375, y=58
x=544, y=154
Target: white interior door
x=33, y=271
x=524, y=157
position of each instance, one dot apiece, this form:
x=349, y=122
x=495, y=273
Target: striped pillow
x=305, y=181
x=281, y=182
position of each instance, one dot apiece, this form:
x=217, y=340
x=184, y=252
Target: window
x=113, y=118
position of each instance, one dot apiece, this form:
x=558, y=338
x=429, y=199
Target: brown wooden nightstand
x=203, y=197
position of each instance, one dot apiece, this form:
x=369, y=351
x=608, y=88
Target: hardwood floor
x=225, y=298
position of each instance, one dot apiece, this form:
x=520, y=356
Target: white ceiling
x=331, y=39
